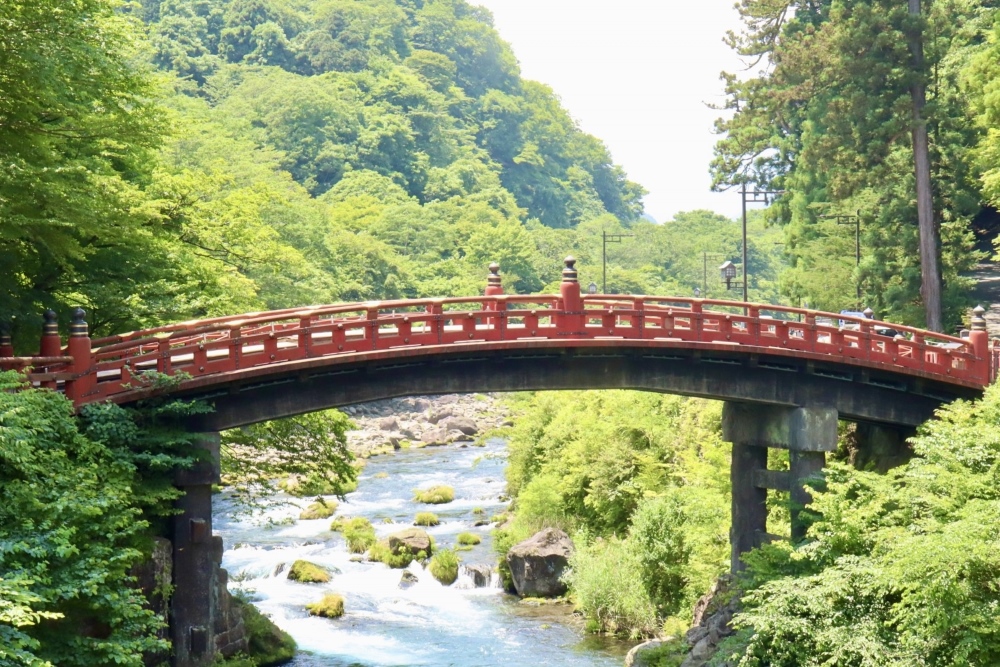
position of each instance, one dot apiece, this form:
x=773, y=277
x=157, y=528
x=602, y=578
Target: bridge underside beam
x=248, y=398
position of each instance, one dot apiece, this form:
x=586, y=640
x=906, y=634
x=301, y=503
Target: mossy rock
x=436, y=495
x=426, y=519
x=381, y=475
x=444, y=566
x=267, y=644
x=331, y=606
x=381, y=553
x=321, y=509
x=469, y=539
x=308, y=573
x=479, y=511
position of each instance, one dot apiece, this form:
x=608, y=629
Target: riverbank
x=422, y=421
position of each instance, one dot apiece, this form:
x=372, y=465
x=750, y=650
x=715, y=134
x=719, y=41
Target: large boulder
x=537, y=563
x=411, y=541
x=463, y=424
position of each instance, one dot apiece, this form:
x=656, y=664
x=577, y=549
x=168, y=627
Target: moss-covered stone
x=267, y=644
x=426, y=519
x=468, y=539
x=331, y=606
x=308, y=573
x=320, y=509
x=436, y=495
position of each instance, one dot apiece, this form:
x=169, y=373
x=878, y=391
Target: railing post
x=753, y=326
x=980, y=340
x=494, y=288
x=79, y=348
x=51, y=345
x=697, y=320
x=570, y=323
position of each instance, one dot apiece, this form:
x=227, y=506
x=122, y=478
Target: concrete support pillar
x=192, y=607
x=749, y=506
x=806, y=432
x=881, y=447
x=802, y=466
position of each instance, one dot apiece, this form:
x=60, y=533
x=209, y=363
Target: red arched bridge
x=259, y=366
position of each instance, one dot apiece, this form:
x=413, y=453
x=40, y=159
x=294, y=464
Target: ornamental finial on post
x=569, y=273
x=978, y=321
x=494, y=283
x=78, y=326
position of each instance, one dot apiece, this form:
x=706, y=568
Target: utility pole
x=930, y=270
x=609, y=238
x=756, y=197
x=856, y=221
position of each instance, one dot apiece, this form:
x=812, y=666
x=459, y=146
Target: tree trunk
x=930, y=269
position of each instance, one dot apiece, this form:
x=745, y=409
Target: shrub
x=468, y=539
x=444, y=566
x=321, y=509
x=606, y=582
x=436, y=495
x=359, y=534
x=308, y=573
x=657, y=538
x=426, y=519
x=331, y=606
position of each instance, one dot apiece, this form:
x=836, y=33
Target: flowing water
x=383, y=625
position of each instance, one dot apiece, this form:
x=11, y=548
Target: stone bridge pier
x=808, y=433
x=203, y=623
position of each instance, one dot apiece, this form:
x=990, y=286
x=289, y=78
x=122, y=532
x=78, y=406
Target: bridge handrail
x=104, y=367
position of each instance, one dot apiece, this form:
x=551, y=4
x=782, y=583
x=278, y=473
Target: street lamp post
x=609, y=238
x=856, y=221
x=756, y=197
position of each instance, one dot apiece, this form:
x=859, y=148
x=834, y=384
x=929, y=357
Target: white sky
x=636, y=74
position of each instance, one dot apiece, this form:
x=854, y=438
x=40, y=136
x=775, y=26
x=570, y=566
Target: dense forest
x=175, y=159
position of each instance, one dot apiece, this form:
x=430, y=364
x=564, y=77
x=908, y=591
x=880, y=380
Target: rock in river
x=537, y=563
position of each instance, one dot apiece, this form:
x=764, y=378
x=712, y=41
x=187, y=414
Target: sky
x=637, y=74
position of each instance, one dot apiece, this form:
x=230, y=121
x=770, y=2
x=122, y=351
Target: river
x=383, y=626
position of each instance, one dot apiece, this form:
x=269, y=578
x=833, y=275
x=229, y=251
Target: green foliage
x=331, y=606
x=426, y=519
x=603, y=583
x=308, y=573
x=436, y=495
x=359, y=534
x=899, y=568
x=444, y=566
x=311, y=447
x=380, y=552
x=829, y=123
x=468, y=539
x=70, y=530
x=634, y=475
x=267, y=643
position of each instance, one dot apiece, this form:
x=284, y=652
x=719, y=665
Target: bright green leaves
x=828, y=120
x=70, y=526
x=311, y=447
x=901, y=568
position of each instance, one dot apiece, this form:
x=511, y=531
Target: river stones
x=411, y=541
x=308, y=573
x=321, y=509
x=407, y=580
x=331, y=606
x=480, y=574
x=537, y=563
x=463, y=424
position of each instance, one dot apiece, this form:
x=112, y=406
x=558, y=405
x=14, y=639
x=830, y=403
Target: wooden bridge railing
x=106, y=368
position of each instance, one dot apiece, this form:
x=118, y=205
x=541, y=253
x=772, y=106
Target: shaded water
x=427, y=624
